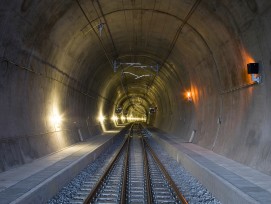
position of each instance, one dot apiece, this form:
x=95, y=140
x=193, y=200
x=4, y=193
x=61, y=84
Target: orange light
x=247, y=59
x=189, y=96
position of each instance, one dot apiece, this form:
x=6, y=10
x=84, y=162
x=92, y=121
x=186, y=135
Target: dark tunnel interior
x=71, y=69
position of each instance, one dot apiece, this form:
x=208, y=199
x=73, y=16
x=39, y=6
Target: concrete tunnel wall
x=53, y=63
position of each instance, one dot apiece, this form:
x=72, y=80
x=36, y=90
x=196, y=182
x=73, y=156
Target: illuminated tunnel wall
x=57, y=73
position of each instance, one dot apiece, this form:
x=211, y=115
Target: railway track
x=134, y=175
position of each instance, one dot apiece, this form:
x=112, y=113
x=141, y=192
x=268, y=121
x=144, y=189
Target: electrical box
x=253, y=68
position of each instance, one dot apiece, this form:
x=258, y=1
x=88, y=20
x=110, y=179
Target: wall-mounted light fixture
x=123, y=118
x=56, y=120
x=253, y=69
x=189, y=95
x=114, y=118
x=101, y=118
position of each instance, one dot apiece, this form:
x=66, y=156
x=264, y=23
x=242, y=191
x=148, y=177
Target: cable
x=51, y=78
x=173, y=43
x=100, y=41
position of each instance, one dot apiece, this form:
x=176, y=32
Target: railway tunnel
x=74, y=69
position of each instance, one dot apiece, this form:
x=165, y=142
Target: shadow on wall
x=17, y=151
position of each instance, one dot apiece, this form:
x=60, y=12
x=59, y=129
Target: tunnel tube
x=57, y=74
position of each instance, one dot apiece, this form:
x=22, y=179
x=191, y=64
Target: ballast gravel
x=67, y=193
x=189, y=186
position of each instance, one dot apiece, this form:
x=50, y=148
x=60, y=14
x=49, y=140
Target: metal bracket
x=116, y=65
x=100, y=28
x=255, y=78
x=137, y=76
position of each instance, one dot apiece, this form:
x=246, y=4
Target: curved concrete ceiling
x=55, y=62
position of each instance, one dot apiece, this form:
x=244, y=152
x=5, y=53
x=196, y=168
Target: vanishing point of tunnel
x=196, y=71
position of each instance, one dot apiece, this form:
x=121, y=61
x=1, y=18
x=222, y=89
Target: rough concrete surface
x=57, y=74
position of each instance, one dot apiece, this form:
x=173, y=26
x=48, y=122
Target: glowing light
x=101, y=118
x=247, y=58
x=133, y=119
x=189, y=96
x=56, y=119
x=114, y=118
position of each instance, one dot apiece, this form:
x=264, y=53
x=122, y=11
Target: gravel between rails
x=94, y=169
x=190, y=187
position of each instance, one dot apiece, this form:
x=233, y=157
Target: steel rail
x=147, y=173
x=166, y=174
x=96, y=188
x=146, y=152
x=123, y=198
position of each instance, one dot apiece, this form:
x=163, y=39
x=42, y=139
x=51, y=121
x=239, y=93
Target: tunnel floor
x=42, y=179
x=137, y=172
